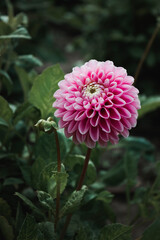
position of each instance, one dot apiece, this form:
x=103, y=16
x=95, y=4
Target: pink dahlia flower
x=96, y=103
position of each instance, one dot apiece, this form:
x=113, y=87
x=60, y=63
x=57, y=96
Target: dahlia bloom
x=97, y=103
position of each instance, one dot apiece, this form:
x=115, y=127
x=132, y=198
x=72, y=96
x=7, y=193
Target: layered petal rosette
x=96, y=103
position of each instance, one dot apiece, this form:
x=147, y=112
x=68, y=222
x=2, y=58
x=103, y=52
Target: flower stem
x=58, y=183
x=150, y=42
x=79, y=186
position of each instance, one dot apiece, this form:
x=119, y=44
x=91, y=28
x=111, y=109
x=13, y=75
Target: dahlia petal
x=68, y=106
x=128, y=99
x=104, y=124
x=83, y=126
x=106, y=83
x=117, y=91
x=108, y=103
x=80, y=137
x=137, y=104
x=89, y=142
x=86, y=105
x=110, y=75
x=75, y=140
x=126, y=123
x=62, y=124
x=125, y=87
x=69, y=115
x=129, y=80
x=125, y=133
x=124, y=112
x=70, y=98
x=90, y=113
x=79, y=100
x=114, y=114
x=102, y=143
x=119, y=80
x=133, y=121
x=57, y=94
x=112, y=86
x=110, y=95
x=77, y=106
x=98, y=106
x=59, y=112
x=117, y=125
x=80, y=116
x=118, y=102
x=104, y=113
x=72, y=127
x=94, y=133
x=67, y=134
x=101, y=74
x=120, y=72
x=94, y=120
x=131, y=108
x=104, y=136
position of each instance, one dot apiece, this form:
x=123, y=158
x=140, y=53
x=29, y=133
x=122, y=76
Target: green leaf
x=24, y=80
x=136, y=144
x=105, y=197
x=29, y=203
x=5, y=209
x=21, y=32
x=46, y=153
x=149, y=104
x=7, y=82
x=57, y=178
x=73, y=202
x=4, y=29
x=28, y=61
x=130, y=165
x=23, y=111
x=153, y=231
x=3, y=123
x=44, y=86
x=115, y=231
x=73, y=160
x=47, y=229
x=6, y=112
x=49, y=178
x=12, y=181
x=46, y=200
x=82, y=234
x=29, y=230
x=6, y=229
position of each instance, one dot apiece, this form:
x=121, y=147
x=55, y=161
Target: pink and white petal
x=105, y=125
x=104, y=113
x=83, y=126
x=94, y=133
x=72, y=126
x=114, y=114
x=94, y=121
x=124, y=112
x=89, y=142
x=80, y=115
x=69, y=115
x=117, y=125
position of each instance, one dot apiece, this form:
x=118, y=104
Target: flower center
x=92, y=89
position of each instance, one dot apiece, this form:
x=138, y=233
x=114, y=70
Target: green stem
x=58, y=183
x=151, y=40
x=79, y=186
